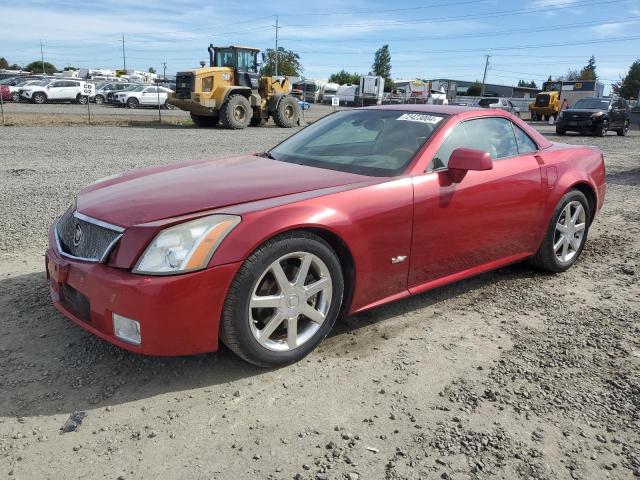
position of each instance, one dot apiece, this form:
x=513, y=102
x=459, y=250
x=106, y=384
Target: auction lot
x=512, y=374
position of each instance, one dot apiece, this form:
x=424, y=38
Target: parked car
x=55, y=91
x=595, y=116
x=385, y=202
x=143, y=96
x=105, y=93
x=500, y=104
x=15, y=89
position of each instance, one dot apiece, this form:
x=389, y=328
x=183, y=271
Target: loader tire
x=287, y=113
x=236, y=112
x=204, y=121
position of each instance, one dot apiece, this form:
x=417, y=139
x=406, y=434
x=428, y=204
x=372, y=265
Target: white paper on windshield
x=419, y=117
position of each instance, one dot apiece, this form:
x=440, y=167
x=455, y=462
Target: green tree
x=571, y=76
x=474, y=89
x=629, y=85
x=531, y=84
x=588, y=72
x=382, y=62
x=152, y=70
x=3, y=63
x=288, y=63
x=343, y=77
x=36, y=67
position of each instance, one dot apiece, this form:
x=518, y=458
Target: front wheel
x=624, y=130
x=99, y=99
x=15, y=96
x=133, y=103
x=566, y=234
x=283, y=301
x=236, y=112
x=39, y=98
x=204, y=121
x=287, y=112
x=168, y=105
x=560, y=131
x=601, y=130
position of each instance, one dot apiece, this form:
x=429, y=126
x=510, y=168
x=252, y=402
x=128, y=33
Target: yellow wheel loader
x=232, y=92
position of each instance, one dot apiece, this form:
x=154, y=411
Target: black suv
x=595, y=116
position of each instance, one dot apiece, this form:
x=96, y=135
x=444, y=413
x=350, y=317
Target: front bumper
x=209, y=109
x=578, y=125
x=178, y=314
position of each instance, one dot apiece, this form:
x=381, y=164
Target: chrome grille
x=84, y=238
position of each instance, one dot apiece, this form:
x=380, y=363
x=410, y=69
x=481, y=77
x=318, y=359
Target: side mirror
x=464, y=159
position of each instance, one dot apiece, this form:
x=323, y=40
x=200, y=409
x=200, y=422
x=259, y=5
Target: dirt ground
x=513, y=374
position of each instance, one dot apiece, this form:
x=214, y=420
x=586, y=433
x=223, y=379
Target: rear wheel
x=82, y=99
x=133, y=103
x=566, y=234
x=168, y=106
x=39, y=98
x=283, y=301
x=622, y=132
x=204, y=122
x=287, y=112
x=236, y=112
x=99, y=99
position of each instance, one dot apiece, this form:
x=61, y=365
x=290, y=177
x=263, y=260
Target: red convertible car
x=265, y=251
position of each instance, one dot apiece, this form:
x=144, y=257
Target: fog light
x=126, y=329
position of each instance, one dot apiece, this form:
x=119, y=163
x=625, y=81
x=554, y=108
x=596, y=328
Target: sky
x=431, y=39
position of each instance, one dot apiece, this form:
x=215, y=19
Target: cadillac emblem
x=77, y=235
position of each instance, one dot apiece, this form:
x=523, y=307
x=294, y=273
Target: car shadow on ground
x=49, y=365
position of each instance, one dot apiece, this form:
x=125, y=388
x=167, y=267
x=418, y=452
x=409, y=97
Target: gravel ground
x=513, y=374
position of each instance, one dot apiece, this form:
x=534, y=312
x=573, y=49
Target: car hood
x=168, y=191
x=569, y=111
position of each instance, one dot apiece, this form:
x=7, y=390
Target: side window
x=525, y=144
x=492, y=135
x=151, y=90
x=58, y=84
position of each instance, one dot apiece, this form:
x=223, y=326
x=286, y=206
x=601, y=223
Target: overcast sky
x=528, y=39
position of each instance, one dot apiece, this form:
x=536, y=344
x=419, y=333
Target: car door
x=617, y=114
x=72, y=89
x=489, y=217
x=55, y=90
x=148, y=96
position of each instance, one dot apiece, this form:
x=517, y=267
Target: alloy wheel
x=569, y=233
x=290, y=301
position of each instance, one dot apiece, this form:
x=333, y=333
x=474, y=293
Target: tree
x=382, y=62
x=531, y=84
x=629, y=85
x=36, y=67
x=588, y=72
x=474, y=89
x=571, y=76
x=343, y=77
x=288, y=63
x=3, y=63
x=152, y=70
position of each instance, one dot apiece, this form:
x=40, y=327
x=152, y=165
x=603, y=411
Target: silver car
x=499, y=104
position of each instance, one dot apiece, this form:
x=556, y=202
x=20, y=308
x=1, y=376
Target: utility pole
x=277, y=28
x=484, y=77
x=124, y=58
x=42, y=58
x=164, y=71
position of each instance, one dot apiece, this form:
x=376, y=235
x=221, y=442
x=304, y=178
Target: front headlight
x=185, y=247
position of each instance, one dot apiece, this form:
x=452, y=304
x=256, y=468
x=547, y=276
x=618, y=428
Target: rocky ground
x=514, y=374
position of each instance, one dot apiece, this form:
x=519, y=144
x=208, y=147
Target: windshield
x=485, y=102
x=367, y=142
x=592, y=104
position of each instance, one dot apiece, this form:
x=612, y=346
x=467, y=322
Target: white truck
x=371, y=90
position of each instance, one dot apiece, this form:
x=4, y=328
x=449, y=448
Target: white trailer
x=371, y=90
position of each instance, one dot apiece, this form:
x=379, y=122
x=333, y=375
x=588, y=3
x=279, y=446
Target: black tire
x=168, y=106
x=82, y=99
x=204, y=122
x=622, y=132
x=99, y=100
x=133, y=103
x=601, y=129
x=39, y=98
x=287, y=112
x=560, y=131
x=235, y=329
x=545, y=258
x=15, y=96
x=236, y=112
x=258, y=122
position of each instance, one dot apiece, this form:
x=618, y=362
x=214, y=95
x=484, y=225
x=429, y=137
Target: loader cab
x=242, y=60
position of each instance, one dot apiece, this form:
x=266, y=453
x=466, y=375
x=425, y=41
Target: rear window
x=485, y=102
